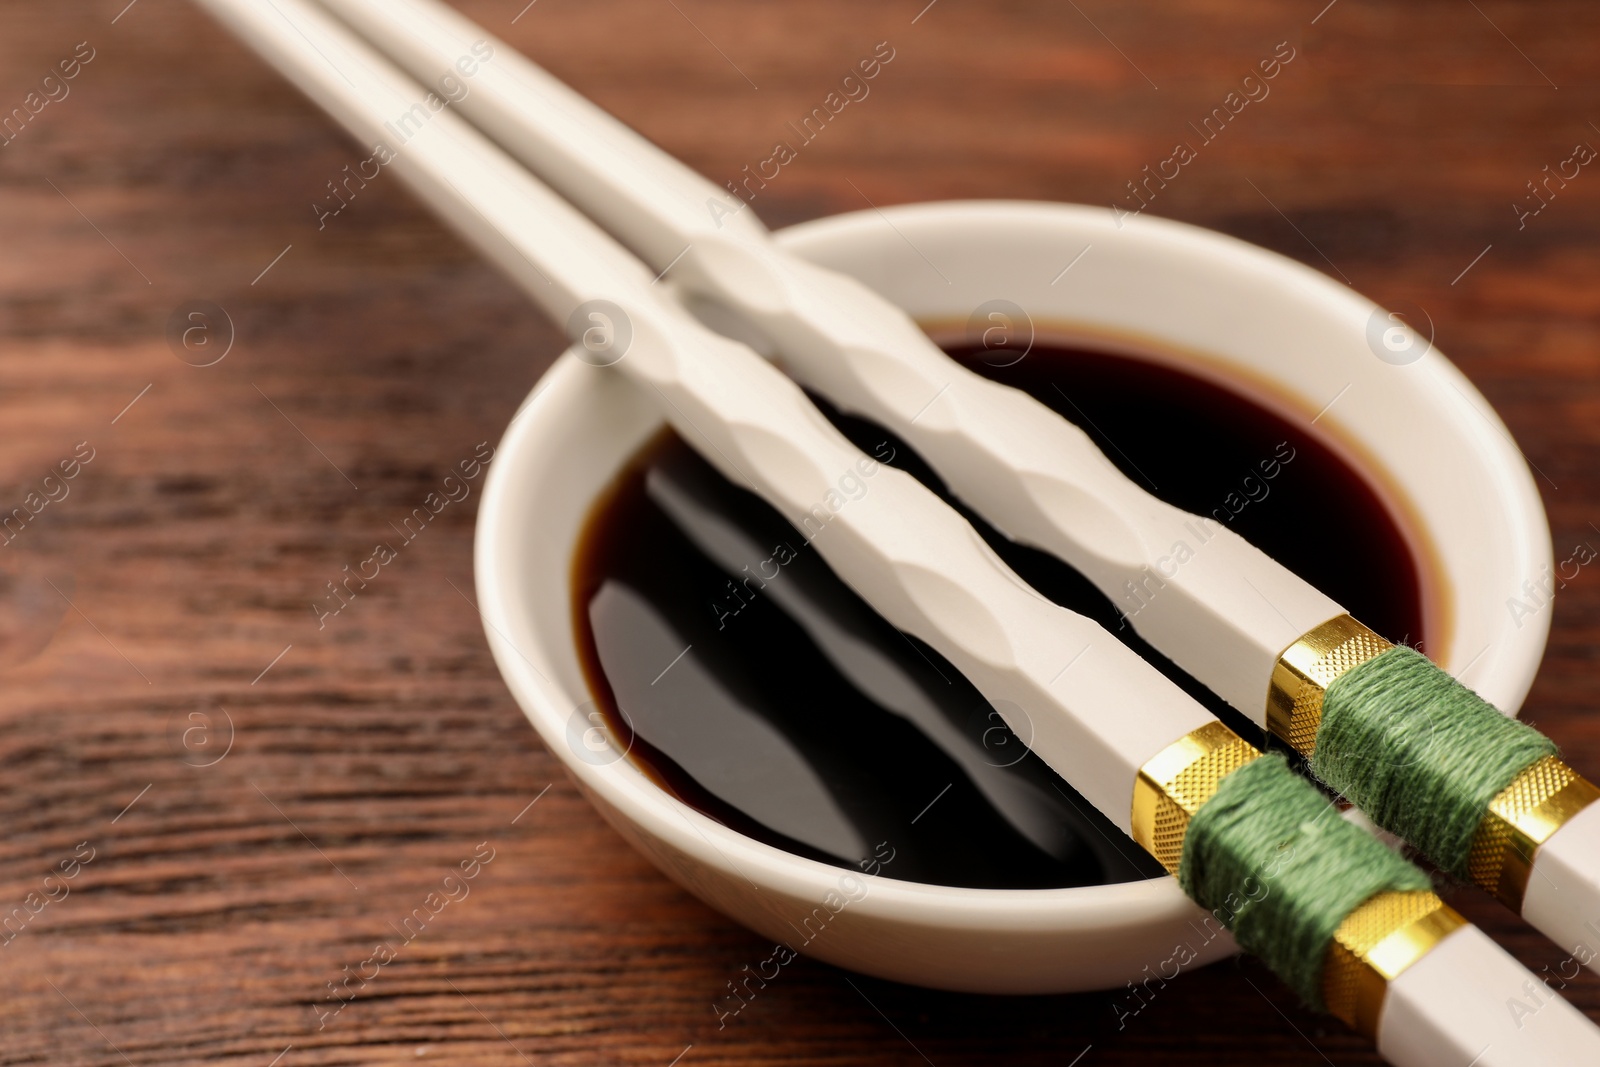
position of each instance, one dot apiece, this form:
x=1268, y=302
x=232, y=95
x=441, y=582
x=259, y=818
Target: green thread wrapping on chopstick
x=1272, y=859
x=1420, y=752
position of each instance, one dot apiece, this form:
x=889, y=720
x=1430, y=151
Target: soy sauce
x=744, y=678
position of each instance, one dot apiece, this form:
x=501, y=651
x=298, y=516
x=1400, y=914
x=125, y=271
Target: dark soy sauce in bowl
x=748, y=681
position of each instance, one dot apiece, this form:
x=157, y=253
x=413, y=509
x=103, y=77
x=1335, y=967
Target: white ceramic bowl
x=1212, y=303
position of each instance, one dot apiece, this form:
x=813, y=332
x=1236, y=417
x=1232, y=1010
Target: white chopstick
x=1106, y=717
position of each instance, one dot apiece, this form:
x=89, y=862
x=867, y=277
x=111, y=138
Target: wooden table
x=229, y=885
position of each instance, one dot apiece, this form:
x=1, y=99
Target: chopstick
x=1255, y=633
x=908, y=554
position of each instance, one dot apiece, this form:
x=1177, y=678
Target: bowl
x=1304, y=344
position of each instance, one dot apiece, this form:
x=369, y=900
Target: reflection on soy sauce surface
x=754, y=685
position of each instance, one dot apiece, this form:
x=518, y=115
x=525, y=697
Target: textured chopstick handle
x=1094, y=711
x=1095, y=720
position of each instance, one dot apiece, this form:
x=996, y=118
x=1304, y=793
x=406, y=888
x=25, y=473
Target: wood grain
x=377, y=753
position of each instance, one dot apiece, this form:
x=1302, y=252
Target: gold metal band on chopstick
x=1373, y=945
x=1306, y=669
x=1520, y=818
x=1177, y=780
